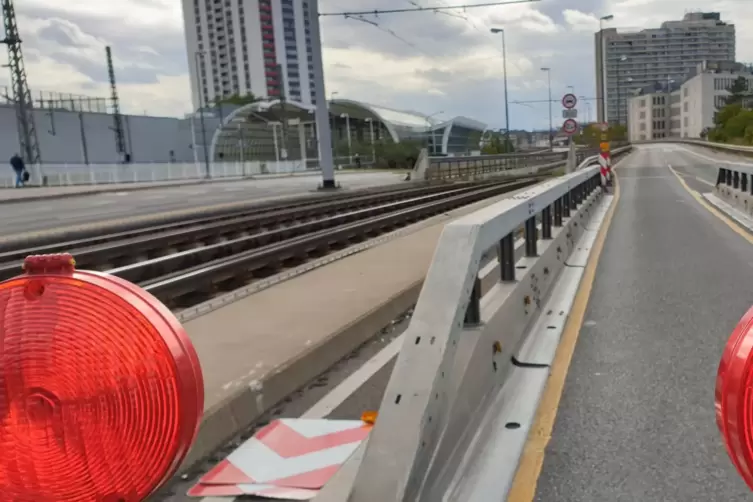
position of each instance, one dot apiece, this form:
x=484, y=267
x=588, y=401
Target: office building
x=628, y=60
x=684, y=109
x=236, y=47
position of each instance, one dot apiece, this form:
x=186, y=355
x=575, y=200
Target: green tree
x=496, y=143
x=237, y=100
x=737, y=91
x=591, y=135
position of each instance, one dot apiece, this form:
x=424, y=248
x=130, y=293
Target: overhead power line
x=386, y=30
x=436, y=8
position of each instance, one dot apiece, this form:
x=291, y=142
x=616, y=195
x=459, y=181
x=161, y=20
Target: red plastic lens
x=101, y=392
x=734, y=399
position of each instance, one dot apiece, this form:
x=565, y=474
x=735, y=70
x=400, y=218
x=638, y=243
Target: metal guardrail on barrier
x=479, y=166
x=721, y=147
x=103, y=174
x=448, y=168
x=466, y=384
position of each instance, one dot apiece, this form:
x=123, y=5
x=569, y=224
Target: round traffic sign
x=569, y=101
x=570, y=126
x=100, y=381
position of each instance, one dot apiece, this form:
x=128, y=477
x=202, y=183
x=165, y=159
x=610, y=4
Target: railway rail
x=189, y=262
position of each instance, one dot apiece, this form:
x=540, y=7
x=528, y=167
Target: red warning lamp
x=101, y=392
x=734, y=399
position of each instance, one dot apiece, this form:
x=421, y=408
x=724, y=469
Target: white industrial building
x=687, y=108
x=627, y=60
x=236, y=47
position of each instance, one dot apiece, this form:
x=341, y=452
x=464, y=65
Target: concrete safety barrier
x=462, y=397
x=734, y=185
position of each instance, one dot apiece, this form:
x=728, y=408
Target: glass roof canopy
x=399, y=123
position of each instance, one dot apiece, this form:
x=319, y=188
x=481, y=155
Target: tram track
x=190, y=262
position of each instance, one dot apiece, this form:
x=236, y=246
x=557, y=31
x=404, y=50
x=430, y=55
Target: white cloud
x=425, y=61
x=580, y=21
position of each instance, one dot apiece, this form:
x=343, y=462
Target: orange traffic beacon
x=101, y=392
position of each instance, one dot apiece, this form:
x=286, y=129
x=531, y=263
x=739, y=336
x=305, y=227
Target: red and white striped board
x=287, y=459
x=260, y=491
x=605, y=167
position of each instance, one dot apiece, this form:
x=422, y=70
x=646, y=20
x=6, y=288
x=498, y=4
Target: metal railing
x=478, y=166
x=103, y=174
x=720, y=147
x=466, y=385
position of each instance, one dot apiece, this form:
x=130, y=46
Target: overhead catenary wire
x=386, y=30
x=434, y=8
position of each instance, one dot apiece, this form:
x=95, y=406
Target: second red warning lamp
x=101, y=392
x=734, y=397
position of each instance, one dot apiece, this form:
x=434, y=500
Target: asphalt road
x=57, y=214
x=636, y=420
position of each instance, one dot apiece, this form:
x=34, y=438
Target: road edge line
x=532, y=461
x=745, y=234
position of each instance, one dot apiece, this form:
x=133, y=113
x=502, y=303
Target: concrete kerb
x=241, y=410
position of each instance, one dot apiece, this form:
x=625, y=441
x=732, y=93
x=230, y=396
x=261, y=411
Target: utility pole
x=322, y=110
x=27, y=132
x=116, y=117
x=551, y=121
x=198, y=59
x=284, y=113
x=504, y=73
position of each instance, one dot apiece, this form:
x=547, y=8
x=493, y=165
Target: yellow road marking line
x=532, y=460
x=730, y=223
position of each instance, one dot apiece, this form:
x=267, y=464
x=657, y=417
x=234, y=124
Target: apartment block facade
x=629, y=60
x=685, y=109
x=236, y=47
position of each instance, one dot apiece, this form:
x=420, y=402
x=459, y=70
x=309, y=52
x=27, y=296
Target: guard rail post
x=463, y=394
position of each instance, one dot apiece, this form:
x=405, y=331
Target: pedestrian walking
x=19, y=168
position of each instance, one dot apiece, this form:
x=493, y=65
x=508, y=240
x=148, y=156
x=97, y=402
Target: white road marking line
x=705, y=181
x=354, y=381
x=343, y=391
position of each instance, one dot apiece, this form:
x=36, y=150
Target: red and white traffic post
x=605, y=156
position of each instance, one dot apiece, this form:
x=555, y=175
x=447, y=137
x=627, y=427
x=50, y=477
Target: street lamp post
x=347, y=127
x=207, y=173
x=603, y=59
x=588, y=109
x=371, y=134
x=501, y=31
x=551, y=122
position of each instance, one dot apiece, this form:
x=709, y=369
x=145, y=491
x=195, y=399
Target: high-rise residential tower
x=236, y=47
x=627, y=60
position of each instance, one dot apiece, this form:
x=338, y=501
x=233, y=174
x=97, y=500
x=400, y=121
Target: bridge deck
x=636, y=418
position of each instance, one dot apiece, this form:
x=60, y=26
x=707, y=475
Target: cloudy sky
x=428, y=62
